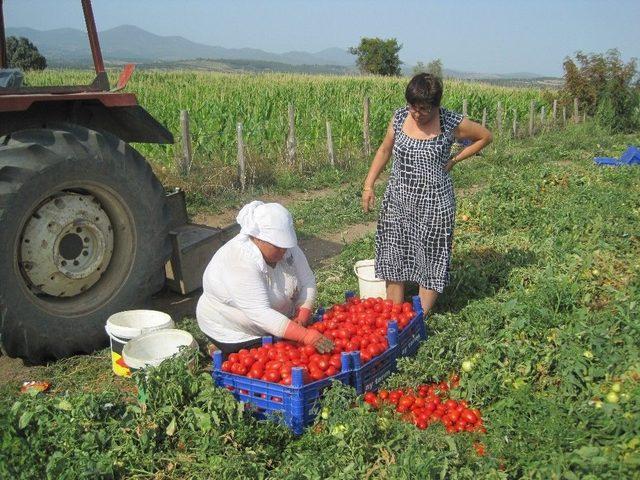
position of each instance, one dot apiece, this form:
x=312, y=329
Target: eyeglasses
x=420, y=110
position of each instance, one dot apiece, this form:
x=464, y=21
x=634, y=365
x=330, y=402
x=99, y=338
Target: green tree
x=606, y=87
x=434, y=67
x=378, y=56
x=419, y=68
x=23, y=54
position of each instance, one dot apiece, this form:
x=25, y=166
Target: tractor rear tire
x=113, y=251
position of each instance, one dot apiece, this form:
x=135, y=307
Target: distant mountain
x=131, y=43
x=128, y=43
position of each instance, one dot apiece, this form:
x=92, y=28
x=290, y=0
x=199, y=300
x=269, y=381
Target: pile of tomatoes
x=274, y=362
x=362, y=325
x=428, y=404
x=354, y=325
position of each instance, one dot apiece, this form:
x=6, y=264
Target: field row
x=216, y=102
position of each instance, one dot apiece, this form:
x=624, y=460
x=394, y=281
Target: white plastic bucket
x=124, y=326
x=369, y=285
x=152, y=348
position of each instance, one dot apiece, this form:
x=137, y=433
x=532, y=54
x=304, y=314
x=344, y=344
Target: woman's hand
x=383, y=154
x=302, y=316
x=450, y=164
x=368, y=199
x=307, y=336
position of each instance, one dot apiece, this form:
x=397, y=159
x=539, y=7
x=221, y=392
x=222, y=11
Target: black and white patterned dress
x=415, y=228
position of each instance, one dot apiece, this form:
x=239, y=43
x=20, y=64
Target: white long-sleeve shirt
x=244, y=298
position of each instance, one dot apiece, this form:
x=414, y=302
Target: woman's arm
x=306, y=279
x=479, y=135
x=377, y=165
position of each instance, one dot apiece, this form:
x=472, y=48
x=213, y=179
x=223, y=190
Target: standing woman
x=415, y=228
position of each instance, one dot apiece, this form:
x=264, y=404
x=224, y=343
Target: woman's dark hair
x=424, y=89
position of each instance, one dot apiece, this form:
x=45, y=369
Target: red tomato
x=331, y=371
x=450, y=404
x=479, y=448
x=233, y=357
x=323, y=364
x=452, y=417
x=405, y=402
x=272, y=376
x=394, y=396
x=247, y=361
x=383, y=394
x=226, y=366
x=369, y=397
x=336, y=361
x=308, y=350
x=469, y=416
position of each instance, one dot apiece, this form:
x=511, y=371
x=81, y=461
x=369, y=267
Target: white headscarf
x=270, y=222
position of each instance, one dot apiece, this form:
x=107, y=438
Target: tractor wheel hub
x=66, y=245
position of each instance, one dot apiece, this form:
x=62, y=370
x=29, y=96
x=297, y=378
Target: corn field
x=217, y=101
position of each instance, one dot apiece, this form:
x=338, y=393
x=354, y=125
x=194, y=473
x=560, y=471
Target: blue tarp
x=631, y=156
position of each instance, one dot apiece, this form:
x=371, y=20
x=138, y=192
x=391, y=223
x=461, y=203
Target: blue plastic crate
x=370, y=375
x=412, y=335
x=296, y=404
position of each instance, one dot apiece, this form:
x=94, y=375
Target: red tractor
x=84, y=222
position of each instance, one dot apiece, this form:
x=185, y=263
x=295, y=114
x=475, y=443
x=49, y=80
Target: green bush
x=606, y=87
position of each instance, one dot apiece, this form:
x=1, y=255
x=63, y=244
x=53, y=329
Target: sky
x=486, y=36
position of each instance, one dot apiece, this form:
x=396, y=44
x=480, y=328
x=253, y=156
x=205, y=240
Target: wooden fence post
x=543, y=115
x=584, y=116
x=186, y=158
x=365, y=126
x=576, y=113
x=564, y=115
x=332, y=159
x=499, y=117
x=514, y=127
x=291, y=139
x=242, y=174
x=484, y=117
x=464, y=108
x=555, y=110
x=532, y=107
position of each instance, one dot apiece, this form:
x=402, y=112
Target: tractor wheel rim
x=66, y=245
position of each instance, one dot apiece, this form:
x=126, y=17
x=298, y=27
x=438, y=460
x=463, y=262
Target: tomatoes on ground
x=426, y=404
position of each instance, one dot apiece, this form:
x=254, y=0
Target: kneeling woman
x=259, y=283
